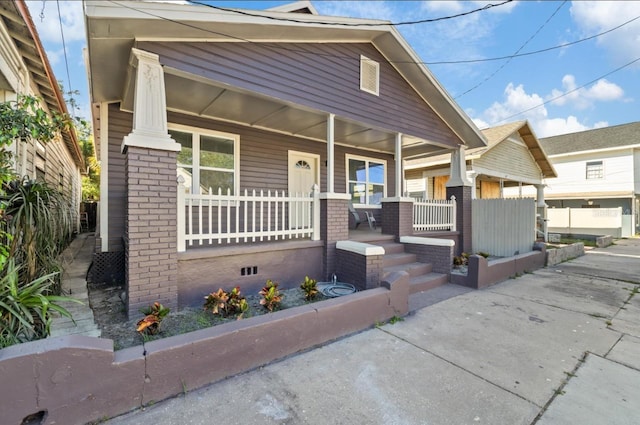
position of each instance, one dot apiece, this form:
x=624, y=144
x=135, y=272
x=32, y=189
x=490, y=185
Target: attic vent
x=369, y=75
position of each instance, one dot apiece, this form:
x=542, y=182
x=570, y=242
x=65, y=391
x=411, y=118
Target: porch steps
x=77, y=258
x=421, y=275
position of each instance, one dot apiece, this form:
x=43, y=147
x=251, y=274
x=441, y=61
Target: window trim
x=599, y=164
x=368, y=61
x=199, y=131
x=367, y=159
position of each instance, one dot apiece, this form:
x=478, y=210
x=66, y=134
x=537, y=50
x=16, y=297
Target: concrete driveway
x=559, y=346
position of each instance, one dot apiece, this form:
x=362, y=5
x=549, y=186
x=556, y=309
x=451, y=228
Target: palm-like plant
x=26, y=308
x=40, y=221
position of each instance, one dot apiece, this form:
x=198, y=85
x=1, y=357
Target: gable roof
x=618, y=136
x=19, y=24
x=495, y=136
x=112, y=29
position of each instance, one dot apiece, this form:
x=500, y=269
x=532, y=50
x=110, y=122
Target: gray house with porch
x=231, y=145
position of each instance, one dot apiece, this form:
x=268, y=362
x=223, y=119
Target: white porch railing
x=433, y=214
x=248, y=217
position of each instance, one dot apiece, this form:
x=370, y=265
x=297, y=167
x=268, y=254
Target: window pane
x=216, y=152
x=357, y=170
x=376, y=193
x=185, y=156
x=358, y=195
x=376, y=173
x=214, y=180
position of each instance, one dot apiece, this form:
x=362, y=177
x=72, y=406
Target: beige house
x=25, y=70
x=513, y=157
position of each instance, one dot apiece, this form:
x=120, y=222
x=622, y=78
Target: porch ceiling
x=206, y=98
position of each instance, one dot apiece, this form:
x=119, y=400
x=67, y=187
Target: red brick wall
x=150, y=231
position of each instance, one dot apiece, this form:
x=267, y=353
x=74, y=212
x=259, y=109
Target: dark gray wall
x=324, y=76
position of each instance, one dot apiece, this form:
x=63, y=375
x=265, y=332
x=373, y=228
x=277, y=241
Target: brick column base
x=463, y=216
x=360, y=264
x=397, y=217
x=334, y=227
x=151, y=261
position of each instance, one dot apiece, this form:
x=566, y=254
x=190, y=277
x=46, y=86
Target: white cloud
x=455, y=7
x=383, y=10
x=516, y=100
x=592, y=17
x=601, y=91
x=48, y=23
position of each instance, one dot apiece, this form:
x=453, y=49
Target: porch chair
x=355, y=214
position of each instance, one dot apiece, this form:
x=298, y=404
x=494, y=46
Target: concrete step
x=426, y=282
x=390, y=260
x=413, y=269
x=391, y=247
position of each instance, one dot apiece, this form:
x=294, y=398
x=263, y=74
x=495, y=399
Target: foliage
x=91, y=179
x=309, y=286
x=461, y=260
x=271, y=297
x=39, y=219
x=217, y=302
x=237, y=303
x=25, y=308
x=154, y=314
x=224, y=303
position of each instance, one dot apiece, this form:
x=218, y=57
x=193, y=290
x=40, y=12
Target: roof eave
x=69, y=136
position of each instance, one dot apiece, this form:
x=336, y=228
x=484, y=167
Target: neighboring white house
x=596, y=169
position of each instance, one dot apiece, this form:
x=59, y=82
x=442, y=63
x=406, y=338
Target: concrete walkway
x=559, y=346
x=76, y=261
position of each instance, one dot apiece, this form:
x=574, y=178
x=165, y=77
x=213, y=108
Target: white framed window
x=207, y=159
x=594, y=170
x=369, y=75
x=366, y=180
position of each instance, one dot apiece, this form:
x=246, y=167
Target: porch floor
x=365, y=234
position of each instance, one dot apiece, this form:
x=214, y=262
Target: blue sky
x=504, y=87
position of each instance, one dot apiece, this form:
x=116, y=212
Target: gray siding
x=513, y=159
x=324, y=76
x=120, y=124
x=264, y=156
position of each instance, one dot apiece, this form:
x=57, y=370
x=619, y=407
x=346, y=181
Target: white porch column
x=474, y=177
x=458, y=170
x=149, y=105
x=399, y=174
x=540, y=195
x=330, y=153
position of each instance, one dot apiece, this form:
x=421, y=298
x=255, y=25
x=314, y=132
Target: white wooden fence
x=247, y=217
x=434, y=214
x=503, y=227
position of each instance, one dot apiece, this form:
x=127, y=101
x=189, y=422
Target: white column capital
x=458, y=169
x=149, y=105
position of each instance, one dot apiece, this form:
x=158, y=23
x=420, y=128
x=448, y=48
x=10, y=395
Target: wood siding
x=322, y=76
x=120, y=124
x=263, y=161
x=512, y=159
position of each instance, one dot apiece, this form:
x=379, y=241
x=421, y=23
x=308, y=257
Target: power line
x=350, y=24
x=570, y=91
x=535, y=51
x=517, y=51
x=66, y=61
x=328, y=55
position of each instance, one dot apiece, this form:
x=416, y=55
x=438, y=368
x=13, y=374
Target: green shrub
x=25, y=309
